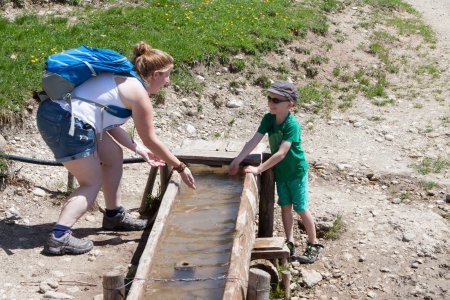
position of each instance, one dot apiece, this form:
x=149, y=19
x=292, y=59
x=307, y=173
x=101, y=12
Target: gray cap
x=284, y=88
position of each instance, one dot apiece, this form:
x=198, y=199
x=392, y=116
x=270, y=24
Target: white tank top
x=101, y=89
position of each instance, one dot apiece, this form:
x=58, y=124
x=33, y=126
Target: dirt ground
x=362, y=163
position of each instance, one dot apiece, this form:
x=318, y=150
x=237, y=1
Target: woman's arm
x=123, y=138
x=135, y=97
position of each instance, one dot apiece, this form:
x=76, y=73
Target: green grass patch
x=337, y=229
x=391, y=5
x=430, y=165
x=428, y=185
x=192, y=31
x=414, y=26
x=317, y=94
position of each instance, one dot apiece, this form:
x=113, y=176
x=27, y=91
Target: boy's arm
x=272, y=161
x=249, y=146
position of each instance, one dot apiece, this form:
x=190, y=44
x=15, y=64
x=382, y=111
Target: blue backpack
x=66, y=70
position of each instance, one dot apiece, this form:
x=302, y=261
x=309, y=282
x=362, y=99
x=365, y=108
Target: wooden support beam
x=164, y=174
x=113, y=286
x=148, y=190
x=286, y=280
x=266, y=203
x=258, y=285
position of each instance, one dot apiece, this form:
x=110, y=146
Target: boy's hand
x=234, y=167
x=252, y=169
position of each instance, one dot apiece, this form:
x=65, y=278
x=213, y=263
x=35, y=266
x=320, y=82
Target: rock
x=190, y=130
x=408, y=237
x=44, y=287
x=234, y=103
x=371, y=294
x=39, y=192
x=56, y=295
x=447, y=198
x=2, y=142
x=396, y=201
x=311, y=277
x=53, y=283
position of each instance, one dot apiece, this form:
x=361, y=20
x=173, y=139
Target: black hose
x=55, y=163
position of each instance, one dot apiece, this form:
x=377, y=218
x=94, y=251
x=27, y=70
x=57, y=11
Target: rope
x=55, y=163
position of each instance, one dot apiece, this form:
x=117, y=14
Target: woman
x=92, y=153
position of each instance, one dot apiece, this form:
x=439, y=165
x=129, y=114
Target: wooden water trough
x=257, y=192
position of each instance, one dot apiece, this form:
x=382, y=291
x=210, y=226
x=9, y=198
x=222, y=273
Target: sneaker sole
x=65, y=250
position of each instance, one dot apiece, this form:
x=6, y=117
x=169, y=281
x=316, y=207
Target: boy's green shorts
x=295, y=192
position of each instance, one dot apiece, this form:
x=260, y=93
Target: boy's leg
x=288, y=221
x=308, y=221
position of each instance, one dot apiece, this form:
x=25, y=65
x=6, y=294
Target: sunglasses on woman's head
x=276, y=100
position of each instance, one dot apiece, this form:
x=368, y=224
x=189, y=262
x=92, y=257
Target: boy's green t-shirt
x=294, y=164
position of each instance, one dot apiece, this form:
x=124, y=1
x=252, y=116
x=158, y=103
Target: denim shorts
x=295, y=192
x=53, y=123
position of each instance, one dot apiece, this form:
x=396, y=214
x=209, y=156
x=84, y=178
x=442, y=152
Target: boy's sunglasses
x=276, y=100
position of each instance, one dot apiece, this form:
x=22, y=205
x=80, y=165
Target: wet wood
x=258, y=285
x=268, y=266
x=244, y=238
x=113, y=286
x=286, y=280
x=266, y=204
x=137, y=288
x=270, y=248
x=148, y=191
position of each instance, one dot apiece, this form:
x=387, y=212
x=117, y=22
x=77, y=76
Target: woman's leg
x=115, y=218
x=87, y=171
x=111, y=156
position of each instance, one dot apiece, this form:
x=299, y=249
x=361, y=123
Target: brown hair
x=147, y=60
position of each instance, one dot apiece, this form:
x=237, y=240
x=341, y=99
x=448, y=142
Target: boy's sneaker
x=291, y=247
x=123, y=221
x=67, y=244
x=311, y=254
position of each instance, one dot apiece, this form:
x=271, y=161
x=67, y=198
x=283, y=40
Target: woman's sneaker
x=291, y=247
x=67, y=244
x=123, y=221
x=311, y=254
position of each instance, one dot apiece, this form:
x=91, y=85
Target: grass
x=192, y=32
x=337, y=229
x=430, y=165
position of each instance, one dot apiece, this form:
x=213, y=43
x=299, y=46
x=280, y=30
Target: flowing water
x=193, y=253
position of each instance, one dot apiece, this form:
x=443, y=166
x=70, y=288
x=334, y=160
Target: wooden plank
x=213, y=158
x=273, y=243
x=267, y=196
x=244, y=237
x=137, y=288
x=148, y=190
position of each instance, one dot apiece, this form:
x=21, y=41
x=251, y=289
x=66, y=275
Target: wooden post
x=266, y=203
x=258, y=285
x=70, y=182
x=148, y=190
x=286, y=280
x=113, y=286
x=164, y=173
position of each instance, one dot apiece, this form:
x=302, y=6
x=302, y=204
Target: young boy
x=288, y=160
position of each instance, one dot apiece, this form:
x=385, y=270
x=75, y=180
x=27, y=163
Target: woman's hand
x=149, y=156
x=187, y=178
